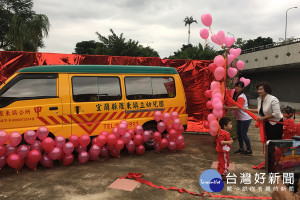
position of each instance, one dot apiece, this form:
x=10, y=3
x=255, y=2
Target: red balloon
x=122, y=128
x=138, y=129
x=68, y=148
x=15, y=138
x=59, y=141
x=180, y=145
x=84, y=140
x=156, y=136
x=48, y=144
x=130, y=147
x=163, y=143
x=157, y=147
x=68, y=159
x=138, y=139
x=101, y=140
x=94, y=140
x=2, y=150
x=104, y=152
x=115, y=153
x=176, y=123
x=9, y=149
x=105, y=133
x=172, y=145
x=161, y=126
x=131, y=132
x=36, y=145
x=3, y=137
x=180, y=139
x=14, y=160
x=140, y=149
x=212, y=67
x=180, y=130
x=92, y=156
x=46, y=161
x=83, y=157
x=206, y=124
x=42, y=132
x=55, y=153
x=95, y=150
x=75, y=140
x=119, y=144
x=30, y=136
x=173, y=134
x=21, y=164
x=23, y=151
x=208, y=93
x=110, y=147
x=126, y=137
x=169, y=127
x=34, y=156
x=80, y=149
x=209, y=105
x=115, y=132
x=146, y=136
x=31, y=165
x=3, y=160
x=166, y=117
x=111, y=139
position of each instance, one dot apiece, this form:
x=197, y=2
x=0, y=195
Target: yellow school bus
x=88, y=99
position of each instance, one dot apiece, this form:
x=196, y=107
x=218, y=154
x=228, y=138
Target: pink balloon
x=138, y=129
x=23, y=151
x=218, y=96
x=218, y=106
x=122, y=128
x=94, y=140
x=229, y=41
x=157, y=147
x=104, y=152
x=235, y=52
x=59, y=141
x=124, y=122
x=180, y=145
x=138, y=139
x=213, y=132
x=126, y=138
x=3, y=137
x=104, y=133
x=209, y=105
x=206, y=19
x=95, y=150
x=115, y=132
x=172, y=145
x=30, y=136
x=48, y=144
x=174, y=115
x=146, y=136
x=36, y=145
x=14, y=160
x=215, y=39
x=221, y=37
x=68, y=148
x=180, y=139
x=204, y=33
x=46, y=161
x=166, y=117
x=9, y=149
x=140, y=149
x=163, y=143
x=231, y=72
x=130, y=147
x=14, y=138
x=111, y=139
x=119, y=145
x=42, y=132
x=156, y=136
x=219, y=73
x=157, y=116
x=169, y=127
x=161, y=126
x=214, y=124
x=211, y=118
x=68, y=160
x=84, y=140
x=230, y=58
x=206, y=124
x=216, y=101
x=75, y=140
x=101, y=140
x=2, y=150
x=3, y=160
x=34, y=156
x=215, y=85
x=55, y=153
x=131, y=132
x=80, y=149
x=207, y=93
x=246, y=82
x=240, y=65
x=83, y=157
x=218, y=113
x=212, y=67
x=173, y=134
x=180, y=130
x=176, y=123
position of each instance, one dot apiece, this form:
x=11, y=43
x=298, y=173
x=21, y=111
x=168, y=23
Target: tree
x=195, y=52
x=188, y=21
x=22, y=29
x=248, y=44
x=114, y=45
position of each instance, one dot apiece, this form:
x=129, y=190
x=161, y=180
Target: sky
x=159, y=23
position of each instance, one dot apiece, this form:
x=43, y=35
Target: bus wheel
x=151, y=127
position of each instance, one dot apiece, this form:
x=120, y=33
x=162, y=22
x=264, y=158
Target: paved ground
x=180, y=169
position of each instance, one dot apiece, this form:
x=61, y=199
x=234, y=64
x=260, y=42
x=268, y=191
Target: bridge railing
x=275, y=44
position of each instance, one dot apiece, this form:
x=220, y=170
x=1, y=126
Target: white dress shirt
x=271, y=106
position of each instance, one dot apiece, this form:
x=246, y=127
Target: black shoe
x=247, y=153
x=239, y=151
x=224, y=178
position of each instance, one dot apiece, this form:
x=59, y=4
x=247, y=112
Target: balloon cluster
x=218, y=68
x=44, y=149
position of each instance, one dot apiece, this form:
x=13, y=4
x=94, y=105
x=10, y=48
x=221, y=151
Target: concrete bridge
x=277, y=64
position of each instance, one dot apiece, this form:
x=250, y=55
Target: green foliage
x=195, y=52
x=21, y=28
x=248, y=44
x=114, y=45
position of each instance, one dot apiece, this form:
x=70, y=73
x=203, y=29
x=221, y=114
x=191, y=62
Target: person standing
x=268, y=108
x=242, y=118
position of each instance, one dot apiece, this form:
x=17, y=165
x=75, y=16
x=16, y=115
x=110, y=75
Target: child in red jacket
x=224, y=142
x=289, y=126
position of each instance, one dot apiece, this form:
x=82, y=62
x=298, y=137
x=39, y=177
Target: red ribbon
x=138, y=177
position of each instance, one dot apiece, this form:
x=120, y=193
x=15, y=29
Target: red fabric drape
x=195, y=75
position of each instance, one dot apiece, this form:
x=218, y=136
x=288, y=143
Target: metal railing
x=269, y=46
